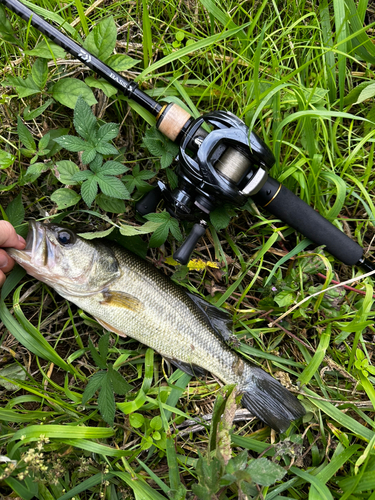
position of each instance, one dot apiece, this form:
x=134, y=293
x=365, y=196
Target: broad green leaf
x=39, y=72
x=366, y=93
x=72, y=143
x=84, y=119
x=94, y=384
x=15, y=211
x=31, y=115
x=25, y=136
x=100, y=83
x=106, y=401
x=6, y=30
x=65, y=198
x=119, y=384
x=112, y=186
x=105, y=148
x=109, y=204
x=96, y=234
x=67, y=90
x=50, y=51
x=220, y=218
x=113, y=168
x=34, y=171
x=121, y=62
x=99, y=361
x=65, y=170
x=6, y=159
x=146, y=228
x=265, y=472
x=12, y=372
x=108, y=131
x=88, y=154
x=136, y=420
x=102, y=39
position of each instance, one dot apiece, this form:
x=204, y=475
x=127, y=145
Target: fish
x=129, y=297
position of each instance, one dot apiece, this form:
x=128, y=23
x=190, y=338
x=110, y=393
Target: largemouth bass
x=131, y=298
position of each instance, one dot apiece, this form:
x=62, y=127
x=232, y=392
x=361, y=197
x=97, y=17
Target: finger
x=6, y=262
x=9, y=237
x=2, y=279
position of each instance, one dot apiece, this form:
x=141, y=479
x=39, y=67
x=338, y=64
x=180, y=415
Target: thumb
x=9, y=237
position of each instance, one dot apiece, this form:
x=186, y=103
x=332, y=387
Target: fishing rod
x=228, y=164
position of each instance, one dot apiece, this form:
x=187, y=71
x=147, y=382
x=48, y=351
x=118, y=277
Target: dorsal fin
x=220, y=321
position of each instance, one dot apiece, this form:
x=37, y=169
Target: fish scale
x=130, y=297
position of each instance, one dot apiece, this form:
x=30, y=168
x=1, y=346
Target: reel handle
x=182, y=254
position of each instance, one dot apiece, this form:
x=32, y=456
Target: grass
x=301, y=75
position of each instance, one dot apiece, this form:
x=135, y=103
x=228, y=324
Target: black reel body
x=228, y=164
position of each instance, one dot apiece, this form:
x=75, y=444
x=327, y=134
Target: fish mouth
x=39, y=252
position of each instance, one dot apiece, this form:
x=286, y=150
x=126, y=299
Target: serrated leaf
x=265, y=472
x=220, y=218
x=67, y=90
x=89, y=190
x=43, y=143
x=6, y=30
x=39, y=72
x=82, y=175
x=99, y=361
x=103, y=345
x=109, y=204
x=112, y=186
x=159, y=236
x=65, y=170
x=96, y=164
x=119, y=384
x=100, y=83
x=6, y=159
x=44, y=50
x=53, y=146
x=25, y=136
x=106, y=401
x=84, y=119
x=15, y=211
x=146, y=228
x=112, y=167
x=108, y=131
x=166, y=159
x=24, y=88
x=65, y=198
x=102, y=39
x=31, y=115
x=121, y=62
x=94, y=384
x=72, y=143
x=106, y=149
x=34, y=171
x=88, y=155
x=97, y=234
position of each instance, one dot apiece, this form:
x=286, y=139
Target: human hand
x=8, y=238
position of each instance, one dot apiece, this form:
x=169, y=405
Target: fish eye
x=65, y=237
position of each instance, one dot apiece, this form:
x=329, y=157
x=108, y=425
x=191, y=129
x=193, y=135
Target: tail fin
x=268, y=400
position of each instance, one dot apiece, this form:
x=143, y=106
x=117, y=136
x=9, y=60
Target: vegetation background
x=89, y=415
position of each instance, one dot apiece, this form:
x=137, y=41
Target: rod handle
x=288, y=207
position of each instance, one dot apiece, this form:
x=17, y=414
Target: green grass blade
x=33, y=432
x=147, y=36
x=340, y=417
x=324, y=493
x=342, y=32
x=86, y=485
x=329, y=56
x=318, y=357
x=82, y=17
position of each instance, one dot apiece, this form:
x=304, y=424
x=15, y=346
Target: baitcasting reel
x=228, y=164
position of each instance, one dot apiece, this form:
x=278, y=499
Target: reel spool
x=229, y=164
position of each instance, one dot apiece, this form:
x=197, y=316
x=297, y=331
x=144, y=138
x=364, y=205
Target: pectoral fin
x=121, y=299
x=110, y=328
